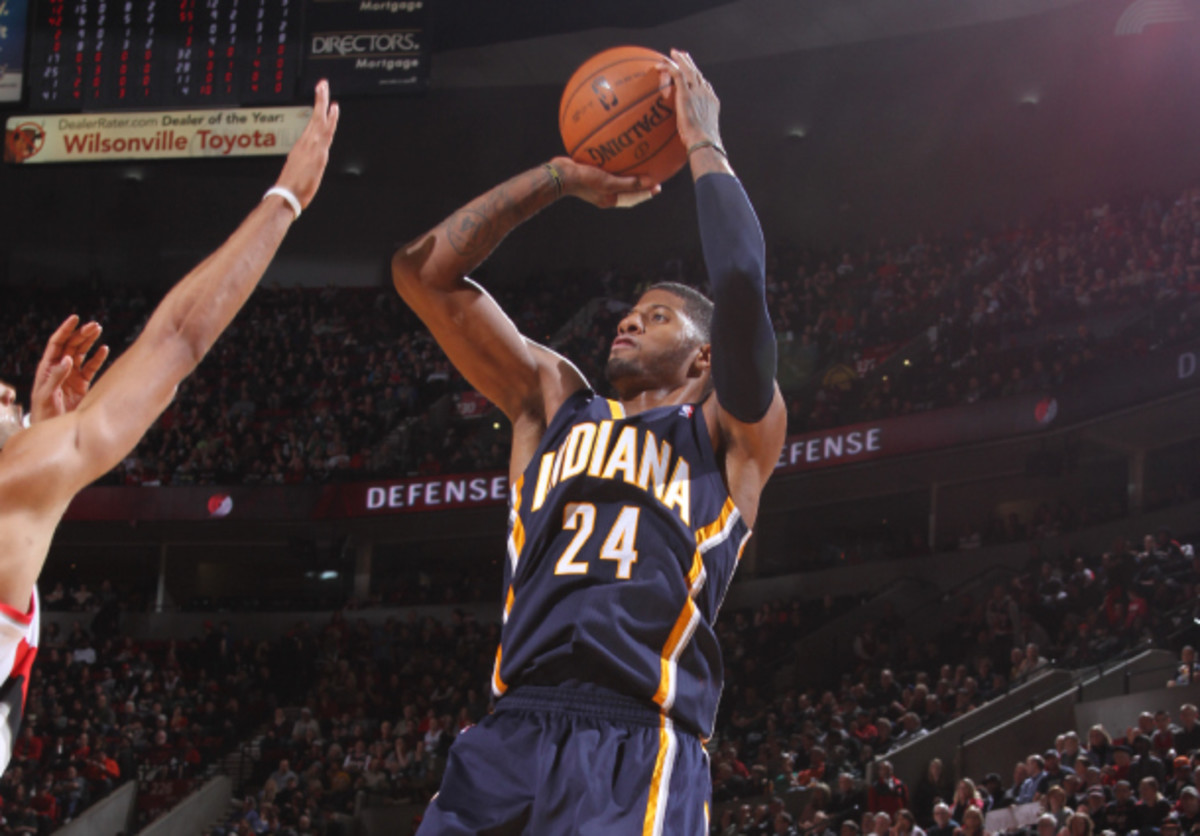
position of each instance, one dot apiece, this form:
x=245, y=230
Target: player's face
x=11, y=413
x=656, y=343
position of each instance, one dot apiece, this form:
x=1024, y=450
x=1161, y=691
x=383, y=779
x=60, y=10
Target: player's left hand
x=697, y=108
x=65, y=372
x=306, y=161
x=598, y=187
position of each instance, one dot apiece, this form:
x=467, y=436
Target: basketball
x=614, y=115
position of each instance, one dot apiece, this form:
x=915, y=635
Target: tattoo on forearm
x=469, y=231
x=476, y=229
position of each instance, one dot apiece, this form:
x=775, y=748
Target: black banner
x=1131, y=381
x=368, y=47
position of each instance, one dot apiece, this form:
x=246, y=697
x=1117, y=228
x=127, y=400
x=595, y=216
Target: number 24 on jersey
x=620, y=545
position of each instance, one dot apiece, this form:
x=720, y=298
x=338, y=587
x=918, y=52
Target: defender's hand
x=697, y=108
x=597, y=186
x=64, y=373
x=307, y=160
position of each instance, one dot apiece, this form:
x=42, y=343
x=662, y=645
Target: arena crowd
x=314, y=385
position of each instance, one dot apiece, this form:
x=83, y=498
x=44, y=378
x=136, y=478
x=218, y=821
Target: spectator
x=1053, y=774
x=1189, y=808
x=888, y=794
x=945, y=825
x=1146, y=763
x=906, y=825
x=1034, y=766
x=1056, y=806
x=965, y=796
x=1100, y=746
x=1153, y=809
x=972, y=823
x=1121, y=814
x=931, y=789
x=1188, y=667
x=1187, y=738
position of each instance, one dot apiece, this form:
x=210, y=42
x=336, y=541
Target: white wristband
x=286, y=194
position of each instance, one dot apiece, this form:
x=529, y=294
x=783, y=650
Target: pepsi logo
x=219, y=505
x=1046, y=410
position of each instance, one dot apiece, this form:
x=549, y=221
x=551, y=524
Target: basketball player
x=77, y=432
x=628, y=516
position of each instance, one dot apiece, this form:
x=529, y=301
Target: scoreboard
x=183, y=54
x=96, y=54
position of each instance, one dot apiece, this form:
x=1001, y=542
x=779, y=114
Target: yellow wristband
x=556, y=175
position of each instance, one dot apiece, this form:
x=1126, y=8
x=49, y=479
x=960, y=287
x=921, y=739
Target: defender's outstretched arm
x=80, y=433
x=126, y=401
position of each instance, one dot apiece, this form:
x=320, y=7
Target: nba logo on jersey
x=686, y=410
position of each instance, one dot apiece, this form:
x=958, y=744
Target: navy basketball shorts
x=558, y=761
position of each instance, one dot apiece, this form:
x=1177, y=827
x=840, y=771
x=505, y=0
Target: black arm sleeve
x=743, y=340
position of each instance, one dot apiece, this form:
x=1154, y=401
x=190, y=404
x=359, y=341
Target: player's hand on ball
x=697, y=108
x=307, y=160
x=600, y=188
x=65, y=372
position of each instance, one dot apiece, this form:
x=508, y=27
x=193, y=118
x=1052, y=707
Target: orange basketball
x=614, y=115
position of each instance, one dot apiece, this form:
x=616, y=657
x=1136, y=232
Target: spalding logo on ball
x=615, y=115
x=219, y=505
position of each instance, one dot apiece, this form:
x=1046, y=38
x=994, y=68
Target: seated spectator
x=1187, y=669
x=906, y=825
x=972, y=823
x=1121, y=814
x=887, y=794
x=1153, y=808
x=965, y=796
x=1054, y=773
x=1056, y=806
x=945, y=825
x=1187, y=738
x=1189, y=808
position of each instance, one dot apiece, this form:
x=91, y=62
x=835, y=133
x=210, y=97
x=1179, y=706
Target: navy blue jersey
x=622, y=542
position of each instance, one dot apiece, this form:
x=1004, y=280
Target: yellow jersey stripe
x=660, y=783
x=707, y=537
x=695, y=573
x=685, y=625
x=616, y=408
x=716, y=526
x=498, y=686
x=518, y=537
x=508, y=602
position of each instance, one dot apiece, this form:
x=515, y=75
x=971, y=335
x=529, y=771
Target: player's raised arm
x=86, y=442
x=430, y=274
x=750, y=408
